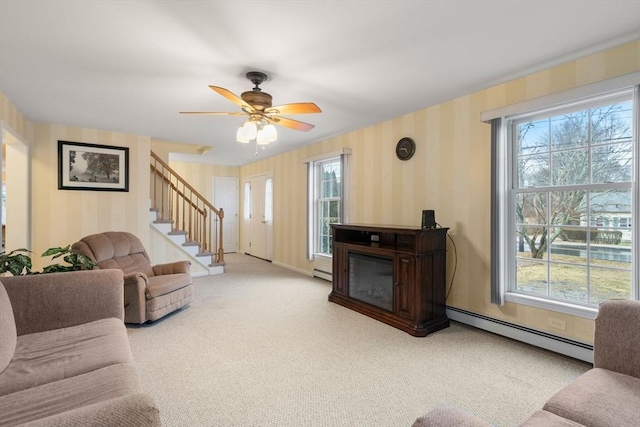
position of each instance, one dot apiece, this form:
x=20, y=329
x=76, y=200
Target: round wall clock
x=405, y=148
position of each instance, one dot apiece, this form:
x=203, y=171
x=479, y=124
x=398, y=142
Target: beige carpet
x=262, y=346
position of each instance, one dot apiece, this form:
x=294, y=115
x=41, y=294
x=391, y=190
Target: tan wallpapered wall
x=450, y=173
x=14, y=120
x=60, y=217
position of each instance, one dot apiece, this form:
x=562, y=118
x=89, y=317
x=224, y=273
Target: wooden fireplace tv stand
x=396, y=275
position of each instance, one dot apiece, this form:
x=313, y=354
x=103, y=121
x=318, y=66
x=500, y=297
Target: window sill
x=557, y=306
x=322, y=256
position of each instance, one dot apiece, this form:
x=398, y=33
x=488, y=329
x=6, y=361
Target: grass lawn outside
x=573, y=278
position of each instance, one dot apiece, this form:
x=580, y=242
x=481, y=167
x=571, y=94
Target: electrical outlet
x=558, y=324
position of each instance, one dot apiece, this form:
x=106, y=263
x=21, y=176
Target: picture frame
x=92, y=167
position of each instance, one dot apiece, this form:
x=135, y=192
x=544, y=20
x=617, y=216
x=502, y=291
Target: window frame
x=313, y=193
x=320, y=201
x=504, y=157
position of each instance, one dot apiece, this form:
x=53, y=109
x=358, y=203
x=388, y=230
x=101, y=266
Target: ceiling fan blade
x=233, y=98
x=211, y=113
x=289, y=123
x=297, y=108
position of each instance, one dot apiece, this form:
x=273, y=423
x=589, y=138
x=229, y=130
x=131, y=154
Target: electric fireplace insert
x=371, y=279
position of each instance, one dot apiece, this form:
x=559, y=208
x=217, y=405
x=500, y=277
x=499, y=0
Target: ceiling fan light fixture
x=250, y=129
x=270, y=133
x=262, y=114
x=241, y=136
x=261, y=139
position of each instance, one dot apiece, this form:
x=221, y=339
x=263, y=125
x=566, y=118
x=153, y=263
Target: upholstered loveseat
x=150, y=292
x=606, y=396
x=65, y=358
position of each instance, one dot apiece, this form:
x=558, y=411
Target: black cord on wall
x=455, y=266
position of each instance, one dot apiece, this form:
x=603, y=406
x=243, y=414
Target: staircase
x=185, y=217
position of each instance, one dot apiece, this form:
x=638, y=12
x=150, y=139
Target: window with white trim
x=268, y=201
x=246, y=214
x=328, y=202
x=566, y=195
x=327, y=199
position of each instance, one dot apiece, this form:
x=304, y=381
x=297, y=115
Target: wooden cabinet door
x=404, y=272
x=340, y=267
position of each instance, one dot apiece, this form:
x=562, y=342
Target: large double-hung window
x=566, y=203
x=327, y=201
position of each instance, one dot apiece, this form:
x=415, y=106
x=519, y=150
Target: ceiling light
x=250, y=129
x=258, y=129
x=270, y=133
x=241, y=136
x=261, y=138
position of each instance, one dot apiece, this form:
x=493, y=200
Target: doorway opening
x=16, y=218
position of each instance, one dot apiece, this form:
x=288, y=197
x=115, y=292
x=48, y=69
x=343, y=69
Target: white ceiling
x=131, y=66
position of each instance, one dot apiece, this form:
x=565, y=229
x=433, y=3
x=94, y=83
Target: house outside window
x=568, y=198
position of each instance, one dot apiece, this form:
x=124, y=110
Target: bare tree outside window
x=328, y=203
x=586, y=147
x=572, y=188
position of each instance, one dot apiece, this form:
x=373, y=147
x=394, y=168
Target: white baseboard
x=200, y=274
x=571, y=348
x=323, y=275
x=290, y=267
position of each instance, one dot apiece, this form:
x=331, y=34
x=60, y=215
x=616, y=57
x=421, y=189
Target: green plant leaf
x=53, y=251
x=56, y=268
x=17, y=263
x=16, y=250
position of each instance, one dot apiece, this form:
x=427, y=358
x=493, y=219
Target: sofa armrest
x=44, y=302
x=617, y=337
x=138, y=410
x=172, y=268
x=135, y=297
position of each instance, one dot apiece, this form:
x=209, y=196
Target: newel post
x=221, y=239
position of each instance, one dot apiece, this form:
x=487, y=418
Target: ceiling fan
x=256, y=104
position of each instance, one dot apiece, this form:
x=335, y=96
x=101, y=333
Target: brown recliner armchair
x=150, y=292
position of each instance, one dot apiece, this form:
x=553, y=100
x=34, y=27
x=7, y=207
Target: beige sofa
x=150, y=292
x=606, y=396
x=65, y=358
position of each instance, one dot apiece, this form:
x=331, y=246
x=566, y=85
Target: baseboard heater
x=322, y=274
x=571, y=348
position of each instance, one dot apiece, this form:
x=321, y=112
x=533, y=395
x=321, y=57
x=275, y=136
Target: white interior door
x=225, y=196
x=258, y=222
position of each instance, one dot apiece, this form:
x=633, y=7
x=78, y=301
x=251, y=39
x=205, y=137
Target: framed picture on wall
x=92, y=167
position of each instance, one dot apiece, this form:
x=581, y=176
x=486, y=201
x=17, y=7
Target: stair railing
x=177, y=201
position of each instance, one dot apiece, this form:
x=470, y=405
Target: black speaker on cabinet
x=428, y=219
